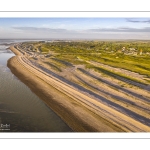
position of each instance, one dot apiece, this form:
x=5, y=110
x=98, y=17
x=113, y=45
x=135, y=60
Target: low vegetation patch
x=130, y=55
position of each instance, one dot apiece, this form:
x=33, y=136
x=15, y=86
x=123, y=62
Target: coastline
x=79, y=116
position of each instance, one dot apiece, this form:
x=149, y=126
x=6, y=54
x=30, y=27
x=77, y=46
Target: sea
x=20, y=109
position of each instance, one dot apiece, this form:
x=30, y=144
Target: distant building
x=123, y=48
x=132, y=49
x=141, y=52
x=119, y=51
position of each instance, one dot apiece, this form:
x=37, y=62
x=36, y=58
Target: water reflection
x=20, y=108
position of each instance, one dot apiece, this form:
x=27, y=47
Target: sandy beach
x=81, y=112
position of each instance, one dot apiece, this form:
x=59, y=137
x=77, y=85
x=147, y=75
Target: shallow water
x=20, y=109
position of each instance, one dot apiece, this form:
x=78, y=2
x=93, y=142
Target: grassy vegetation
x=130, y=55
x=119, y=76
x=137, y=64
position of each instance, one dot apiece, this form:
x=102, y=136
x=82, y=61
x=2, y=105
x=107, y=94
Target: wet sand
x=77, y=110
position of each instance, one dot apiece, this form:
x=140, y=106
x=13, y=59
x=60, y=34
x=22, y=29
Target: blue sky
x=80, y=28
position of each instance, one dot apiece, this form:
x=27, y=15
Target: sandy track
x=120, y=70
x=80, y=112
x=134, y=113
x=110, y=83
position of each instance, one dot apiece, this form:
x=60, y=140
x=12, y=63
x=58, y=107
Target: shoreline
x=76, y=114
x=53, y=98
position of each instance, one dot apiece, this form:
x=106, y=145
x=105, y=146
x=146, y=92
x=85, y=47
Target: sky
x=75, y=28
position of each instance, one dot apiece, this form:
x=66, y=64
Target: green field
x=110, y=53
x=129, y=55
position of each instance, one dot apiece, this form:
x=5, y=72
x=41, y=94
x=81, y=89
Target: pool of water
x=20, y=109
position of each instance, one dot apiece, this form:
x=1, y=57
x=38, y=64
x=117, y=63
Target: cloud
x=93, y=33
x=95, y=30
x=138, y=21
x=40, y=29
x=121, y=29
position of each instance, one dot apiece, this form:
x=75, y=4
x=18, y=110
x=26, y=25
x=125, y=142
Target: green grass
x=44, y=50
x=106, y=52
x=136, y=64
x=118, y=76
